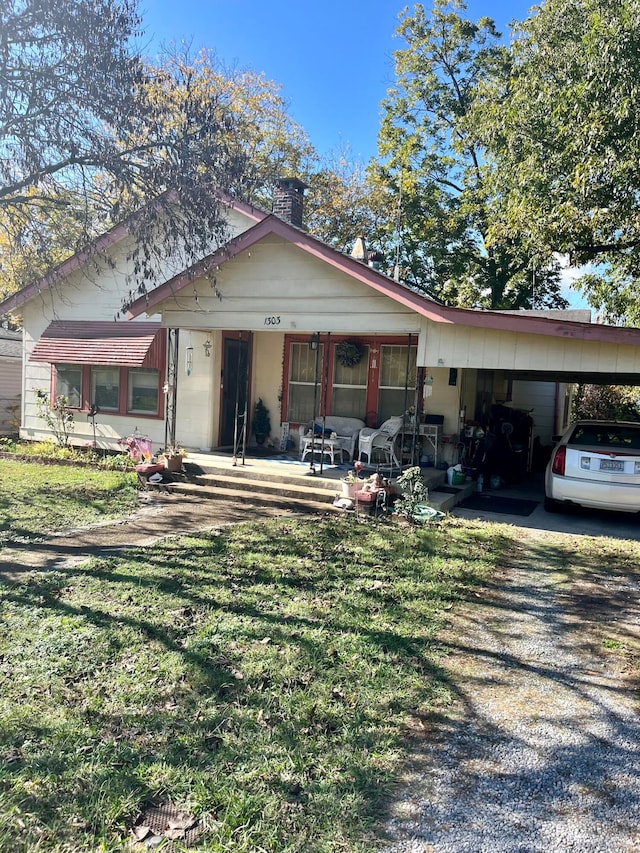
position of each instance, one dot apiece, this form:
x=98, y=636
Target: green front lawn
x=262, y=679
x=36, y=498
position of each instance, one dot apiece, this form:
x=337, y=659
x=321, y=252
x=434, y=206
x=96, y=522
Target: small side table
x=431, y=432
x=312, y=444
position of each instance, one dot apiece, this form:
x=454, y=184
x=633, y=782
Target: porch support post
x=237, y=415
x=406, y=401
x=325, y=380
x=245, y=418
x=171, y=388
x=316, y=335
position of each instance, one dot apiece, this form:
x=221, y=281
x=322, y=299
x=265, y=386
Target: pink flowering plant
x=138, y=448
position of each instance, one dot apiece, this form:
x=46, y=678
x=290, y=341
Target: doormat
x=497, y=503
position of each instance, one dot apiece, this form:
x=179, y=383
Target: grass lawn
x=38, y=498
x=261, y=679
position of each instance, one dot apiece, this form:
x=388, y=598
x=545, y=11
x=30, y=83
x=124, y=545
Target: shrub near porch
x=261, y=678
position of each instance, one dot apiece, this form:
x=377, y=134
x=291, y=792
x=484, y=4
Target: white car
x=595, y=464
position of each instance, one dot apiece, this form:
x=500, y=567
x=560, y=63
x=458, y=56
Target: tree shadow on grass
x=302, y=656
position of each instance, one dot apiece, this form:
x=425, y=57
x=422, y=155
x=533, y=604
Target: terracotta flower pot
x=174, y=463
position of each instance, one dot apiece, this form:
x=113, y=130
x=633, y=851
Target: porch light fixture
x=207, y=348
x=188, y=360
x=314, y=340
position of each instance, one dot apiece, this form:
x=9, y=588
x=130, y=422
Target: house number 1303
x=272, y=321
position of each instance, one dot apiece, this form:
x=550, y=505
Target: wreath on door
x=349, y=353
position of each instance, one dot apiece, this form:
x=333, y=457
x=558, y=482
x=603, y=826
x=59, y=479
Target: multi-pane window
x=349, y=399
x=105, y=388
x=397, y=380
x=69, y=384
x=87, y=385
x=143, y=391
x=302, y=382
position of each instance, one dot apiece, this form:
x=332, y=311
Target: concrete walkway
x=161, y=516
x=579, y=522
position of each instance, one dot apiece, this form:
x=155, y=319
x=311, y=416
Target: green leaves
x=563, y=141
x=451, y=231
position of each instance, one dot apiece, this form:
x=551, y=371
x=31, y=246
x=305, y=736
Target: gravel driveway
x=542, y=750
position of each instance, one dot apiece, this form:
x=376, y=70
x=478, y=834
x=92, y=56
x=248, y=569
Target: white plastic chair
x=383, y=440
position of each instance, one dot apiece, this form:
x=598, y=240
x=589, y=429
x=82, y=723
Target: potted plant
x=261, y=424
x=352, y=482
x=413, y=496
x=173, y=456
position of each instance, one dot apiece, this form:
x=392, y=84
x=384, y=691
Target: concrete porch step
x=259, y=481
x=262, y=474
x=253, y=496
x=314, y=489
x=446, y=500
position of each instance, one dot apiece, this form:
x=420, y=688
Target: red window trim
x=123, y=391
x=373, y=379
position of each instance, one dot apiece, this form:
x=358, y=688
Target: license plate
x=611, y=465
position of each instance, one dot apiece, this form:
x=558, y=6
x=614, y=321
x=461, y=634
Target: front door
x=235, y=375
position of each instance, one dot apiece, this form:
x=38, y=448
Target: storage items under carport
x=500, y=452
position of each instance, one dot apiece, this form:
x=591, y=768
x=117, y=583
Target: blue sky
x=333, y=58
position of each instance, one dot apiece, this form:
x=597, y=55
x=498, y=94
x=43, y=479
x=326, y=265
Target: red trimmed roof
x=77, y=342
x=106, y=241
x=422, y=305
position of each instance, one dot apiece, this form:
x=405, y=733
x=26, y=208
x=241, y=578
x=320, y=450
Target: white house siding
x=470, y=346
x=543, y=398
x=268, y=350
x=98, y=294
x=273, y=289
x=10, y=387
x=276, y=286
x=83, y=300
x=195, y=392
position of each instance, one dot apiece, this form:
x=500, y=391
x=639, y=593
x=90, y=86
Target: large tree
x=268, y=141
x=82, y=130
x=563, y=133
x=343, y=204
x=432, y=161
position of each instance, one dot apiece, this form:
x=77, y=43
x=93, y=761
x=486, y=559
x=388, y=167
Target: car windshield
x=608, y=435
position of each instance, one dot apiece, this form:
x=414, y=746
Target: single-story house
x=279, y=315
x=10, y=379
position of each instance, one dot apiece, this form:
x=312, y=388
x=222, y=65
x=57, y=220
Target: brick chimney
x=288, y=200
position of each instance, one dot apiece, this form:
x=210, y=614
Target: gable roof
x=105, y=241
x=400, y=293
